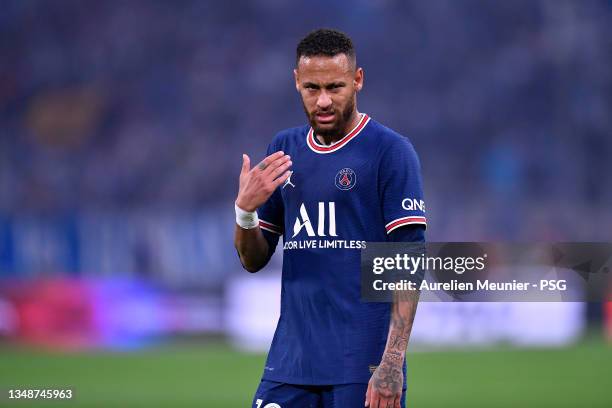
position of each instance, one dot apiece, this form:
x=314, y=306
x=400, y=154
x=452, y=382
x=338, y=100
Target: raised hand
x=258, y=184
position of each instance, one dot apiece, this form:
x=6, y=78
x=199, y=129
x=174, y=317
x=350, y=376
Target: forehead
x=323, y=68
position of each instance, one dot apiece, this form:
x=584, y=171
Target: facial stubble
x=339, y=130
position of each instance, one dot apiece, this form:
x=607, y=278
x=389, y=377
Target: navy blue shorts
x=272, y=394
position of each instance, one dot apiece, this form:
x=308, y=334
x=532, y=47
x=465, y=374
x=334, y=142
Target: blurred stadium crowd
x=133, y=107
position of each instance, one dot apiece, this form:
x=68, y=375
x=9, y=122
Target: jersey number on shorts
x=270, y=405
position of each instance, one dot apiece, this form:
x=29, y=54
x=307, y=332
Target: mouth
x=325, y=117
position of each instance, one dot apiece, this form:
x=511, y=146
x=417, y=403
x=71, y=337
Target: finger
x=397, y=402
x=276, y=164
x=280, y=170
x=367, y=401
x=266, y=162
x=387, y=402
x=374, y=399
x=281, y=179
x=246, y=164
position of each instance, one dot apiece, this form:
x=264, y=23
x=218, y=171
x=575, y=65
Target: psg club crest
x=346, y=179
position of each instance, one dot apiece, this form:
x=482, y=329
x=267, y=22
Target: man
x=328, y=188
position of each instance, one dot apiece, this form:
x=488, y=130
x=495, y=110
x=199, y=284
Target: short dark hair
x=325, y=41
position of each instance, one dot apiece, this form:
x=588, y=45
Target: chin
x=325, y=128
x=330, y=130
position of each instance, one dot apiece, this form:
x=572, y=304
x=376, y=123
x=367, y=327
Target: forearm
x=252, y=248
x=388, y=378
x=404, y=302
x=403, y=311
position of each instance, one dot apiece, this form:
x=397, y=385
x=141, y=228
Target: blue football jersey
x=357, y=189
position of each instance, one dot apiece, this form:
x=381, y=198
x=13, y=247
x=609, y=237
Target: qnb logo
x=412, y=204
x=326, y=217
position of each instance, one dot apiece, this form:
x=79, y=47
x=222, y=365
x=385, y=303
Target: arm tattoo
x=388, y=378
x=402, y=316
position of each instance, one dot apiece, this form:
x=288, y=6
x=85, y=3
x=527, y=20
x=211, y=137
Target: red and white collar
x=316, y=147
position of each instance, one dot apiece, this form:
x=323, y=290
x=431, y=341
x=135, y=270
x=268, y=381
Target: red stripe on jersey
x=312, y=143
x=270, y=227
x=405, y=221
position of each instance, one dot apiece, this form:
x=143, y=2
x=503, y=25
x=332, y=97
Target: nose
x=323, y=101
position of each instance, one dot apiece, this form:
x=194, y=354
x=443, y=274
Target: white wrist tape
x=246, y=219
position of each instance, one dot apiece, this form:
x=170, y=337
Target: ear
x=297, y=82
x=358, y=81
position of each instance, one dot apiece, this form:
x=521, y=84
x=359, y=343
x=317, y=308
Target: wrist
x=393, y=356
x=246, y=219
x=243, y=206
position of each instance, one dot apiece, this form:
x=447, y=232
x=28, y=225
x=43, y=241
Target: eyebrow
x=328, y=86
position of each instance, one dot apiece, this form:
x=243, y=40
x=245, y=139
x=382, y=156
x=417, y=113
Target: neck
x=352, y=123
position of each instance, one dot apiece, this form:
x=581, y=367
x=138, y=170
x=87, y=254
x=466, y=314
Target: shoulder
x=389, y=141
x=289, y=137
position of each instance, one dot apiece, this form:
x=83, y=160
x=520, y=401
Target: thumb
x=246, y=164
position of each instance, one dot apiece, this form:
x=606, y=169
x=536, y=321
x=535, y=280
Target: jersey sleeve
x=409, y=233
x=400, y=187
x=271, y=213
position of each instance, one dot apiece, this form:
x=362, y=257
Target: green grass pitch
x=216, y=376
